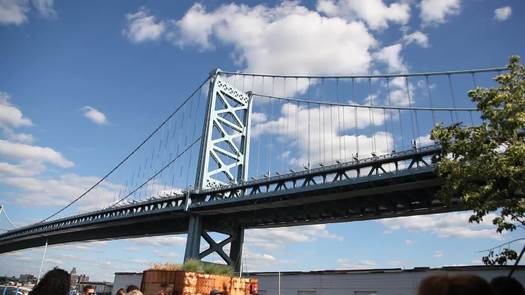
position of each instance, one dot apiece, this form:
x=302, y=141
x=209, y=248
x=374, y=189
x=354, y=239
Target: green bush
x=193, y=265
x=207, y=267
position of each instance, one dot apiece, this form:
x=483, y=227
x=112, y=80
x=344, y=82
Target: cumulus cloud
x=61, y=190
x=36, y=153
x=160, y=241
x=17, y=137
x=14, y=12
x=11, y=116
x=502, y=13
x=324, y=136
x=444, y=225
x=391, y=56
x=353, y=264
x=416, y=37
x=141, y=26
x=279, y=39
x=94, y=115
x=27, y=168
x=275, y=238
x=44, y=7
x=375, y=13
x=437, y=11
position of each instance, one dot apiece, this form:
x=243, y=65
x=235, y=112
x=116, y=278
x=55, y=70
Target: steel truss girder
x=225, y=143
x=174, y=202
x=300, y=180
x=412, y=159
x=197, y=230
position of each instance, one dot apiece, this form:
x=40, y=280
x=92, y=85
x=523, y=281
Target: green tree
x=485, y=165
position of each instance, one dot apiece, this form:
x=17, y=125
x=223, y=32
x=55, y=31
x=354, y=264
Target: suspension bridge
x=249, y=150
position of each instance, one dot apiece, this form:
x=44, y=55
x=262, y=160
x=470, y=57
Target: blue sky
x=81, y=83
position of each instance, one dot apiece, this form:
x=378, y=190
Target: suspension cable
x=157, y=173
x=439, y=73
x=403, y=108
x=130, y=154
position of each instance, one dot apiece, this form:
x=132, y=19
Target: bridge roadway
x=398, y=184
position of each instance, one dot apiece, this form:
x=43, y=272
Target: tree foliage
x=484, y=165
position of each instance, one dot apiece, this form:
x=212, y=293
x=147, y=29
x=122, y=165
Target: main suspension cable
x=130, y=154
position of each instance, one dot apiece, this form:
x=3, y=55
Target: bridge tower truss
x=225, y=141
x=223, y=161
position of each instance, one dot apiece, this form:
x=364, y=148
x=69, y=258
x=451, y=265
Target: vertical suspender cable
x=390, y=113
x=453, y=96
x=259, y=139
x=429, y=94
x=355, y=120
x=340, y=128
x=308, y=164
x=415, y=128
x=371, y=114
x=270, y=155
x=296, y=123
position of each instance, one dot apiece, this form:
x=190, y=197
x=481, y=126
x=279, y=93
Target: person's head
x=131, y=288
x=56, y=281
x=135, y=292
x=88, y=290
x=506, y=286
x=454, y=285
x=216, y=292
x=121, y=291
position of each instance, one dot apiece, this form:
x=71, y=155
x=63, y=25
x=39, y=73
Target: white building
x=366, y=282
x=348, y=282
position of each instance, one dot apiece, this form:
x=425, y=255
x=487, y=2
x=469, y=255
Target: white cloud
x=11, y=116
x=375, y=13
x=95, y=115
x=436, y=11
x=351, y=264
x=61, y=190
x=444, y=225
x=416, y=37
x=281, y=39
x=28, y=168
x=35, y=153
x=257, y=118
x=160, y=241
x=391, y=56
x=502, y=13
x=44, y=7
x=324, y=137
x=409, y=242
x=141, y=26
x=438, y=254
x=13, y=12
x=17, y=137
x=274, y=238
x=424, y=141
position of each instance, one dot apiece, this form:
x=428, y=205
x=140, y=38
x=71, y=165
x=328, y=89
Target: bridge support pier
x=196, y=231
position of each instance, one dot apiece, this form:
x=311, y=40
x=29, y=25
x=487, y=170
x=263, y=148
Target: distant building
x=355, y=282
x=366, y=282
x=74, y=277
x=27, y=278
x=83, y=278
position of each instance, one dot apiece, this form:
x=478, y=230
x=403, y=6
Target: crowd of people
x=57, y=282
